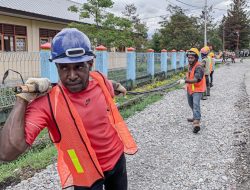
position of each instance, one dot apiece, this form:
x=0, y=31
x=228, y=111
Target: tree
x=109, y=30
x=117, y=31
x=213, y=30
x=210, y=26
x=139, y=28
x=179, y=31
x=214, y=38
x=93, y=9
x=155, y=42
x=114, y=32
x=236, y=26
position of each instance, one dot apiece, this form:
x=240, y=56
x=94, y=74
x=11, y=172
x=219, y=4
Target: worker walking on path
x=206, y=64
x=196, y=84
x=81, y=116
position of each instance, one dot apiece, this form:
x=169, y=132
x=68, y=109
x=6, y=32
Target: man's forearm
x=191, y=81
x=12, y=137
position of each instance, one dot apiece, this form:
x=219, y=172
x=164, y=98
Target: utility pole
x=223, y=35
x=205, y=24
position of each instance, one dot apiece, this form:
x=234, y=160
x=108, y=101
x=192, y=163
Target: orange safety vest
x=195, y=87
x=77, y=161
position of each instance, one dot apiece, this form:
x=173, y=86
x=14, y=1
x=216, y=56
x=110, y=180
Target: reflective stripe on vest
x=77, y=161
x=115, y=118
x=195, y=87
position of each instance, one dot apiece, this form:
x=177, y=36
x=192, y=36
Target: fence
x=7, y=99
x=130, y=68
x=28, y=64
x=115, y=65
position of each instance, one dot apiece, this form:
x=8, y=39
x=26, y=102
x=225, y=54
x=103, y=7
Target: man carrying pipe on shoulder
x=83, y=121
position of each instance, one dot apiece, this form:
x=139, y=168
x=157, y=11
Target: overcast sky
x=150, y=10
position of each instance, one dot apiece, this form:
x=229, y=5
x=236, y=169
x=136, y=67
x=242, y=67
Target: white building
x=26, y=24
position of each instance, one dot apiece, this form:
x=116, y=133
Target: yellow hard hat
x=195, y=50
x=211, y=54
x=205, y=50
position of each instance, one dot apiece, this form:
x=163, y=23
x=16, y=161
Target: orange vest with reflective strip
x=195, y=87
x=77, y=161
x=115, y=117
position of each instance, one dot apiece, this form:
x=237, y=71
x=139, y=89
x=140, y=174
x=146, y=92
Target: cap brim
x=73, y=59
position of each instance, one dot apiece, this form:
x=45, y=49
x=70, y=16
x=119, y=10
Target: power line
x=153, y=17
x=164, y=15
x=187, y=4
x=146, y=18
x=124, y=3
x=168, y=14
x=198, y=6
x=171, y=3
x=220, y=9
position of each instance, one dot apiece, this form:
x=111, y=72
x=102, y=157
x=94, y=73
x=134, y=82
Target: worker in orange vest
x=81, y=116
x=196, y=85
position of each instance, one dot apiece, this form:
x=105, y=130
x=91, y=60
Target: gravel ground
x=171, y=157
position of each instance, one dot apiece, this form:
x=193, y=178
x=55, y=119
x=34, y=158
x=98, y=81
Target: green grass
x=147, y=100
x=35, y=159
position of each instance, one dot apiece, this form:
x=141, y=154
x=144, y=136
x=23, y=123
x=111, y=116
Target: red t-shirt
x=92, y=108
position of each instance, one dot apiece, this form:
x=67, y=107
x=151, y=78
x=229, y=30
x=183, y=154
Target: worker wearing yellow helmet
x=196, y=84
